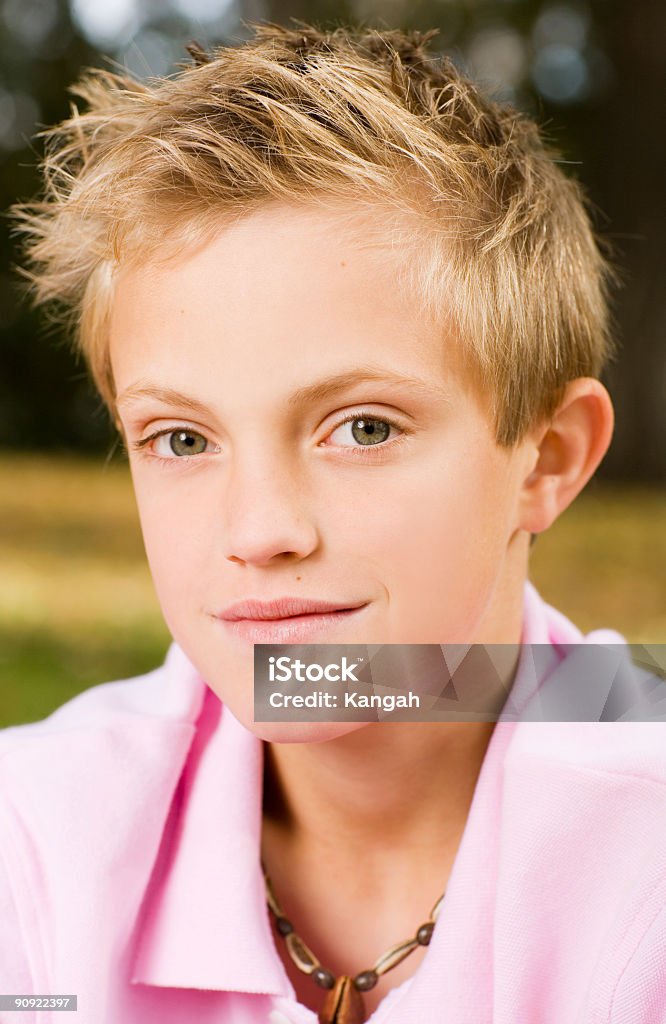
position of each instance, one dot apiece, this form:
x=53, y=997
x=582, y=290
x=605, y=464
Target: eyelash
x=367, y=451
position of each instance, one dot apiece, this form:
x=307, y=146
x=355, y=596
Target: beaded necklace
x=344, y=1002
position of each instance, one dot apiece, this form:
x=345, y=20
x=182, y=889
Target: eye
x=365, y=431
x=181, y=442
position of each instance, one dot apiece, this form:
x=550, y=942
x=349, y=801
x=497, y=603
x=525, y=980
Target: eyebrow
x=328, y=387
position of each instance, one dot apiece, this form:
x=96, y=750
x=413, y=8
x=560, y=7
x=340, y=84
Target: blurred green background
x=76, y=602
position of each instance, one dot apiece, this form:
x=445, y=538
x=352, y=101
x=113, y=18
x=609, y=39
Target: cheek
x=440, y=551
x=175, y=537
x=451, y=509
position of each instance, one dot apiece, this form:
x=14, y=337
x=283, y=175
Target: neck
x=388, y=790
x=360, y=833
x=392, y=789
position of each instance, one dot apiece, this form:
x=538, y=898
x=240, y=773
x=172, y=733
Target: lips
x=283, y=608
x=288, y=620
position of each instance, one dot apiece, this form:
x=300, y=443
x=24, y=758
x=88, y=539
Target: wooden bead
x=323, y=977
x=366, y=980
x=424, y=934
x=303, y=957
x=394, y=956
x=343, y=1004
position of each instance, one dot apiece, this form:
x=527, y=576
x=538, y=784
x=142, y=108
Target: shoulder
x=629, y=985
x=15, y=973
x=640, y=993
x=602, y=709
x=99, y=758
x=584, y=805
x=102, y=754
x=84, y=796
x=171, y=692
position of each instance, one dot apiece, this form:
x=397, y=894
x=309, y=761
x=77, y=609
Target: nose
x=267, y=514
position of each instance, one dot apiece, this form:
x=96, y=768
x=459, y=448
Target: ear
x=566, y=452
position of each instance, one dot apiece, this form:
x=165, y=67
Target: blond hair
x=497, y=240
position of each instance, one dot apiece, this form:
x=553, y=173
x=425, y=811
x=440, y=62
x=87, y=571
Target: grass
x=77, y=606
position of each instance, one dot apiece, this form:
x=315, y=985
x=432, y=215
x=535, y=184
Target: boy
x=349, y=318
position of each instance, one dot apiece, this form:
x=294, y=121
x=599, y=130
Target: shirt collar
x=204, y=921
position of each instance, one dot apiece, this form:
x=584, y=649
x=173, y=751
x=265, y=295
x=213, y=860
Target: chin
x=302, y=732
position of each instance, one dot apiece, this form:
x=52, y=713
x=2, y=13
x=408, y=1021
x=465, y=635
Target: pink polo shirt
x=130, y=825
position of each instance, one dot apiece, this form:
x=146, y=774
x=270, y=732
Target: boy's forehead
x=275, y=240
x=271, y=256
x=287, y=295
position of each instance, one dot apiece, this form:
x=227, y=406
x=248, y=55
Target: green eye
x=369, y=431
x=187, y=442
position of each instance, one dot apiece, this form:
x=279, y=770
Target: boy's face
x=325, y=447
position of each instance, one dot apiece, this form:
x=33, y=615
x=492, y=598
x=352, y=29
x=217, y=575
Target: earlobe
x=569, y=451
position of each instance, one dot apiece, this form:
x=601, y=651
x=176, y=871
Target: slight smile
x=287, y=620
